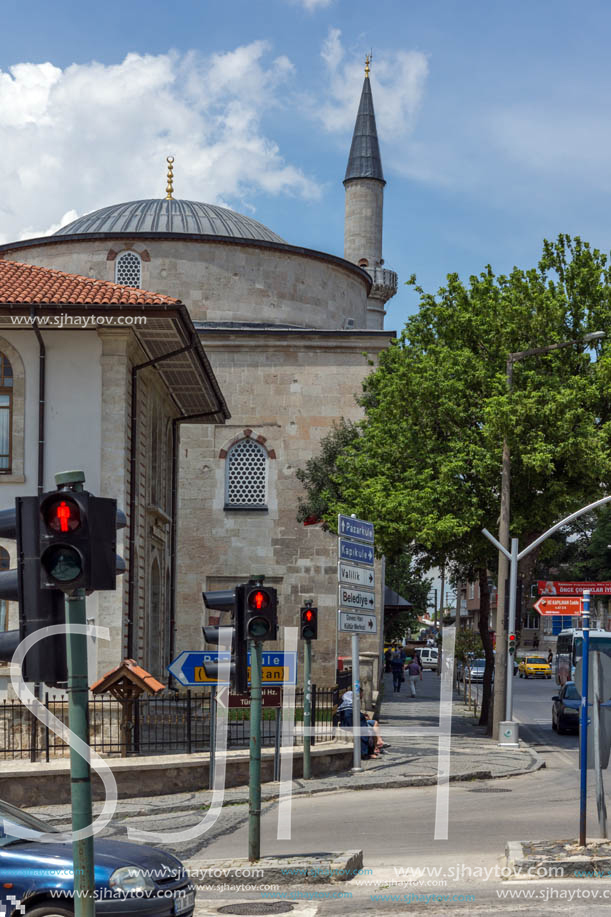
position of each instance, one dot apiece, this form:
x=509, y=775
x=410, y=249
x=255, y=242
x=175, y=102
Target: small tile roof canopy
x=392, y=599
x=127, y=680
x=29, y=283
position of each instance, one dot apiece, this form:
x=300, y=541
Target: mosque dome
x=171, y=216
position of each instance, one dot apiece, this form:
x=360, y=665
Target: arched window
x=128, y=269
x=5, y=564
x=6, y=414
x=246, y=476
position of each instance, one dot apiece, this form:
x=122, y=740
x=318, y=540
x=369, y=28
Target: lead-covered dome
x=171, y=216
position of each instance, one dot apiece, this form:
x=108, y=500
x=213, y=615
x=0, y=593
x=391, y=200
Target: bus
x=569, y=650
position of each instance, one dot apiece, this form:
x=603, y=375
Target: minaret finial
x=368, y=59
x=170, y=185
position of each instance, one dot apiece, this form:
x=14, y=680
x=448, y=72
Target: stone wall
x=287, y=392
x=225, y=281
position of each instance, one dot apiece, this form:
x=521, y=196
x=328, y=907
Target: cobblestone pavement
x=409, y=761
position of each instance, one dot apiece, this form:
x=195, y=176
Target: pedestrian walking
x=414, y=671
x=397, y=667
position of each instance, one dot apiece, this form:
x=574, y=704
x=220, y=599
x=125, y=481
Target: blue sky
x=494, y=119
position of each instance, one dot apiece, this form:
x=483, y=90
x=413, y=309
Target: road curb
x=284, y=870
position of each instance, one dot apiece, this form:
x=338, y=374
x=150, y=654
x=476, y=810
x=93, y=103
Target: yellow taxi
x=534, y=667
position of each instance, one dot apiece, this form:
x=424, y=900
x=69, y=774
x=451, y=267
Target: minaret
x=364, y=184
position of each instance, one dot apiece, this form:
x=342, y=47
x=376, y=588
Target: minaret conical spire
x=364, y=160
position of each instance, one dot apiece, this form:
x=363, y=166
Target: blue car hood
x=108, y=856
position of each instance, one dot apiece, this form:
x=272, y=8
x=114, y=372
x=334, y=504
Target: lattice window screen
x=127, y=270
x=246, y=478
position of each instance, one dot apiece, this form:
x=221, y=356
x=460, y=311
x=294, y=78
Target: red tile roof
x=128, y=670
x=28, y=283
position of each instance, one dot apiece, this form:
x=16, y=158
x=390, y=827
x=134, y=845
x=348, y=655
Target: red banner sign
x=549, y=587
x=272, y=697
x=558, y=605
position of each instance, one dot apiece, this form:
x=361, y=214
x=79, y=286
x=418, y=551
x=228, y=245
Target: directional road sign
x=188, y=668
x=355, y=576
x=358, y=553
x=271, y=697
x=355, y=528
x=350, y=622
x=356, y=598
x=558, y=605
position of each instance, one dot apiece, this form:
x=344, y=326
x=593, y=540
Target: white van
x=428, y=657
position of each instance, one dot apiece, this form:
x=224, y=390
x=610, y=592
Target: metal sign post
x=356, y=705
x=596, y=727
x=583, y=724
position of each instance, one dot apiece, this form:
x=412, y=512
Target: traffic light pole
x=80, y=773
x=254, y=787
x=307, y=709
x=78, y=712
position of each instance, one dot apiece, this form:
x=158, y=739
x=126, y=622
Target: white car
x=428, y=657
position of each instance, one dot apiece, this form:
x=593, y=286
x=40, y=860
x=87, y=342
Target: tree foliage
x=424, y=463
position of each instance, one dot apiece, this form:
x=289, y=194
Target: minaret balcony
x=384, y=283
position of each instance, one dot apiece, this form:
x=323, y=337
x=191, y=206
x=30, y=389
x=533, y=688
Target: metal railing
x=162, y=725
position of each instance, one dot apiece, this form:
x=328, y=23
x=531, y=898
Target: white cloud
x=398, y=80
x=92, y=135
x=311, y=5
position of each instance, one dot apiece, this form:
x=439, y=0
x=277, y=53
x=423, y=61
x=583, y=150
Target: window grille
x=246, y=477
x=128, y=269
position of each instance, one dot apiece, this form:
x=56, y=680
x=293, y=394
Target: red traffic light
x=308, y=615
x=258, y=600
x=62, y=515
x=512, y=638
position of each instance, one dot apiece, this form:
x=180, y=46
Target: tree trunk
x=484, y=632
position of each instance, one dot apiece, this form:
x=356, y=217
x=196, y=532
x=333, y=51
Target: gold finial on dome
x=170, y=185
x=368, y=59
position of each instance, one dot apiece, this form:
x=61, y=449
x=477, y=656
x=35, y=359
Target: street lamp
x=502, y=684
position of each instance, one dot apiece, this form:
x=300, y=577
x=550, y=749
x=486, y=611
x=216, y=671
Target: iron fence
x=162, y=725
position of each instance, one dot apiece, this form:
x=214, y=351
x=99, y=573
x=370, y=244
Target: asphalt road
x=395, y=830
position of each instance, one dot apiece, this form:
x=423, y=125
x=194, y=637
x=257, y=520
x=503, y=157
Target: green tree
x=404, y=576
x=425, y=463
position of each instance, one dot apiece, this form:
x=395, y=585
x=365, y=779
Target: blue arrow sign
x=355, y=528
x=358, y=553
x=188, y=668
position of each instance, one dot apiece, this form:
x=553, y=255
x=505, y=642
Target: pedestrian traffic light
x=45, y=662
x=259, y=606
x=78, y=541
x=225, y=600
x=309, y=622
x=512, y=643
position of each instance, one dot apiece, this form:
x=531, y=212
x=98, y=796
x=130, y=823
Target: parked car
x=565, y=708
x=534, y=667
x=130, y=879
x=477, y=667
x=428, y=657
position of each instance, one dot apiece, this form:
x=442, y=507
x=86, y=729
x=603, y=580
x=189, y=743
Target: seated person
x=371, y=742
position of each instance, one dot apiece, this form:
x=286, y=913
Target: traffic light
x=45, y=662
x=309, y=622
x=259, y=607
x=225, y=600
x=512, y=643
x=78, y=541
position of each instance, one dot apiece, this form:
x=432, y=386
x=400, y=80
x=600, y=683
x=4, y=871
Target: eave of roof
x=188, y=375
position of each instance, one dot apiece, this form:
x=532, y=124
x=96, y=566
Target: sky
x=494, y=119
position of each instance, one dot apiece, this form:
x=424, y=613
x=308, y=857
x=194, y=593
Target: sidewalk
x=410, y=761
